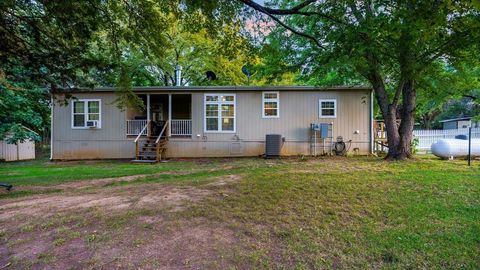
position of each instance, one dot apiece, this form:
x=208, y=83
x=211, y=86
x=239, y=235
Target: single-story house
x=459, y=123
x=208, y=121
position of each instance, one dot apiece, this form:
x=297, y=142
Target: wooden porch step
x=153, y=147
x=147, y=153
x=145, y=161
x=150, y=145
x=147, y=150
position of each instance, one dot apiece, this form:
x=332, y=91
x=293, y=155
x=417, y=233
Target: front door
x=157, y=127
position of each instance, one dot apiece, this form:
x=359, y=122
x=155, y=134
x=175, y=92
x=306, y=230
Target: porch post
x=148, y=115
x=169, y=115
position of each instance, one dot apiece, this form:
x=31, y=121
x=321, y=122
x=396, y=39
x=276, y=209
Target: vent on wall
x=236, y=148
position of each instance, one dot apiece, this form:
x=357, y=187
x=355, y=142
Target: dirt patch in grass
x=98, y=182
x=133, y=226
x=111, y=199
x=74, y=254
x=179, y=244
x=225, y=180
x=175, y=198
x=152, y=195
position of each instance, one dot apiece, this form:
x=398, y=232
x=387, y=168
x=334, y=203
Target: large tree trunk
x=401, y=146
x=399, y=137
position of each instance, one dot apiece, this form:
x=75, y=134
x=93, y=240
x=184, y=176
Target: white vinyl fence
x=19, y=151
x=428, y=136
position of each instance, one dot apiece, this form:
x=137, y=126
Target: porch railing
x=134, y=127
x=181, y=127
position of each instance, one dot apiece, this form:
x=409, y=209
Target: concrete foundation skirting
x=125, y=149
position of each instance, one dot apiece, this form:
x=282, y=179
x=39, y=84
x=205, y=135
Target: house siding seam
x=298, y=110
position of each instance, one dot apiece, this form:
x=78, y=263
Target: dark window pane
x=79, y=120
x=228, y=98
x=328, y=112
x=270, y=95
x=94, y=116
x=211, y=110
x=328, y=104
x=227, y=110
x=271, y=105
x=212, y=123
x=271, y=112
x=78, y=107
x=212, y=98
x=227, y=124
x=93, y=107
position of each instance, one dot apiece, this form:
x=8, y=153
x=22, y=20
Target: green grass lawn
x=292, y=213
x=43, y=172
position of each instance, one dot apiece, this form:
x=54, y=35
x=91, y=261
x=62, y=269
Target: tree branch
x=432, y=55
x=291, y=11
x=471, y=97
x=265, y=11
x=396, y=98
x=305, y=35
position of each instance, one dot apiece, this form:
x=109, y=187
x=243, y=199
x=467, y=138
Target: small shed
x=459, y=123
x=20, y=151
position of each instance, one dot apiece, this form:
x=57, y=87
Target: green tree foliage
x=59, y=45
x=448, y=91
x=195, y=51
x=23, y=113
x=390, y=44
x=46, y=38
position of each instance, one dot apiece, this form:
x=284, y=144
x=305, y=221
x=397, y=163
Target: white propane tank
x=447, y=148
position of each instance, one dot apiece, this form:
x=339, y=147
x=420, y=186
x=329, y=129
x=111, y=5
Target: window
x=84, y=110
x=271, y=105
x=327, y=108
x=219, y=113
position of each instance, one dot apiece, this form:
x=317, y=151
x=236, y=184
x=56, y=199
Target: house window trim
x=86, y=100
x=219, y=116
x=320, y=115
x=277, y=100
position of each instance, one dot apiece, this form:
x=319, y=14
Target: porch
x=173, y=110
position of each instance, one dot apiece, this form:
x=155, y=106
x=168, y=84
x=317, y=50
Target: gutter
x=215, y=88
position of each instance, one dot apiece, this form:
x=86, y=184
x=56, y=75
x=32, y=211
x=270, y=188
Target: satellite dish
x=246, y=70
x=211, y=75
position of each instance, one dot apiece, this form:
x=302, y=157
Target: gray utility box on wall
x=273, y=145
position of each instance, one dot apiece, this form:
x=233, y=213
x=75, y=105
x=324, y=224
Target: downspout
x=371, y=123
x=169, y=133
x=149, y=127
x=51, y=126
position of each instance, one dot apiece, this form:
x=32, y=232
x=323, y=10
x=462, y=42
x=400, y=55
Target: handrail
x=141, y=132
x=161, y=132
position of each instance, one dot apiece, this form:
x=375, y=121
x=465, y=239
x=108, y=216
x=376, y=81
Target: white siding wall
x=297, y=110
x=109, y=141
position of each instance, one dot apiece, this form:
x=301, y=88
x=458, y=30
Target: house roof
x=455, y=119
x=221, y=88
